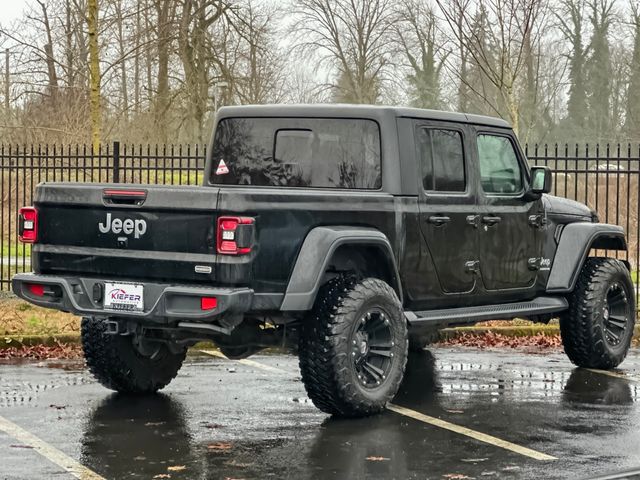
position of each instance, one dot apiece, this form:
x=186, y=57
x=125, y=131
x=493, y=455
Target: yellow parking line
x=249, y=363
x=49, y=452
x=482, y=437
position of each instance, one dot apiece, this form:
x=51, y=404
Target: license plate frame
x=123, y=297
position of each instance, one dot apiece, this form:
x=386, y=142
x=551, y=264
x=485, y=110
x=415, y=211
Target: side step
x=503, y=311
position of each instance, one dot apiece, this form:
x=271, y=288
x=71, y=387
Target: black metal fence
x=607, y=178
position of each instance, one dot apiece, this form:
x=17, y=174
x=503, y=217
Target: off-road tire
x=325, y=348
x=116, y=363
x=582, y=325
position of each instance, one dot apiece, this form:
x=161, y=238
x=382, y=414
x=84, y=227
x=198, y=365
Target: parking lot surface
x=460, y=413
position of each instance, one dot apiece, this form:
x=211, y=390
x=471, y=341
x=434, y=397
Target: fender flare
x=315, y=255
x=576, y=240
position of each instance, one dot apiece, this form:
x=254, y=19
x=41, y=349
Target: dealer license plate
x=123, y=296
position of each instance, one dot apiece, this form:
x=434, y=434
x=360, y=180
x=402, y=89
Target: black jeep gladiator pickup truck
x=349, y=233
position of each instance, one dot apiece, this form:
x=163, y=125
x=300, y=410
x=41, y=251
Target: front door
x=448, y=210
x=510, y=240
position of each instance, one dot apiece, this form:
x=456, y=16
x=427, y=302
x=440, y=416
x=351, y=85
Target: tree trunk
x=94, y=70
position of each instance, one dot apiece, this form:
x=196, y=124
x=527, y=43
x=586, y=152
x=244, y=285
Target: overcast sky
x=11, y=9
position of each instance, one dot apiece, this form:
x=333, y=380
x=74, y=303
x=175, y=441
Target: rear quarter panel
x=284, y=217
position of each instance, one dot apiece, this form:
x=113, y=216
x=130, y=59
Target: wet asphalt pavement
x=221, y=419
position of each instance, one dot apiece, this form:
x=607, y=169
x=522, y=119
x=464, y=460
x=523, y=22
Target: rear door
x=448, y=207
x=510, y=239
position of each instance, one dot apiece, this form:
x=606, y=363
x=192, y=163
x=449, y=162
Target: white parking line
x=49, y=452
x=244, y=361
x=436, y=422
x=482, y=437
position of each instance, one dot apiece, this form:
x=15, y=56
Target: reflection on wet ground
x=228, y=420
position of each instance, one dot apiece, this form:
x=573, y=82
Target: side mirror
x=541, y=179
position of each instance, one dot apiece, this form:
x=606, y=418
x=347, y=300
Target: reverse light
x=28, y=225
x=235, y=235
x=208, y=303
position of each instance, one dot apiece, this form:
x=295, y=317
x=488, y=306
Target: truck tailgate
x=127, y=231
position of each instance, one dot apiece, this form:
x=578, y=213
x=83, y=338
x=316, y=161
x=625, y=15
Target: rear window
x=297, y=152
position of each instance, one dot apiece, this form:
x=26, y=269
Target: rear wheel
x=353, y=347
x=125, y=363
x=597, y=328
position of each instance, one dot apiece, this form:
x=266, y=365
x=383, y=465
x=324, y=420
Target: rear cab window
x=297, y=152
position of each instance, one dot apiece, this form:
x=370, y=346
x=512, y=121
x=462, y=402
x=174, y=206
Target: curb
x=17, y=341
x=510, y=331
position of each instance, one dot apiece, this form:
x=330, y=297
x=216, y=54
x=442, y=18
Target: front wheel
x=120, y=363
x=353, y=347
x=598, y=327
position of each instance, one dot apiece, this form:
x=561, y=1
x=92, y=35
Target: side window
x=442, y=158
x=499, y=167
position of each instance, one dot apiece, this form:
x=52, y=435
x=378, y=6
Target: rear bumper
x=162, y=302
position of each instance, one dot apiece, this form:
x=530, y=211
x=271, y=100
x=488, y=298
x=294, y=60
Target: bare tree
x=353, y=36
x=499, y=52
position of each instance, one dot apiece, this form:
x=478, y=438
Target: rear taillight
x=235, y=235
x=28, y=225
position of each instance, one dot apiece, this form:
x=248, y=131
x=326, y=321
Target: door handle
x=473, y=220
x=491, y=220
x=438, y=220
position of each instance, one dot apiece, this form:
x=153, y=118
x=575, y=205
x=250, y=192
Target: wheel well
x=603, y=242
x=364, y=261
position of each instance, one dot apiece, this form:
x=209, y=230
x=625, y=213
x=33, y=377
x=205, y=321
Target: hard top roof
x=340, y=110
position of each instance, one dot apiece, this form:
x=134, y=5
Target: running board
x=503, y=311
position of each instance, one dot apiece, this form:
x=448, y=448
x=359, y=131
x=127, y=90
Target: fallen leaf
x=20, y=446
x=220, y=446
x=176, y=468
x=58, y=407
x=457, y=476
x=212, y=425
x=153, y=424
x=454, y=411
x=233, y=463
x=532, y=343
x=510, y=468
x=474, y=460
x=162, y=475
x=377, y=459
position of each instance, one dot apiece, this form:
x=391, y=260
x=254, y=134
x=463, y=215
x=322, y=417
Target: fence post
x=116, y=162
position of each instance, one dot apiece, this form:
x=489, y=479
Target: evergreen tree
x=570, y=17
x=598, y=69
x=632, y=120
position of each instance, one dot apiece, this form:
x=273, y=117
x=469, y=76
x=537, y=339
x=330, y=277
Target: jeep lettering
x=126, y=226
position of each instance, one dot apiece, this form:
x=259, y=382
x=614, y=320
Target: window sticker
x=222, y=168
